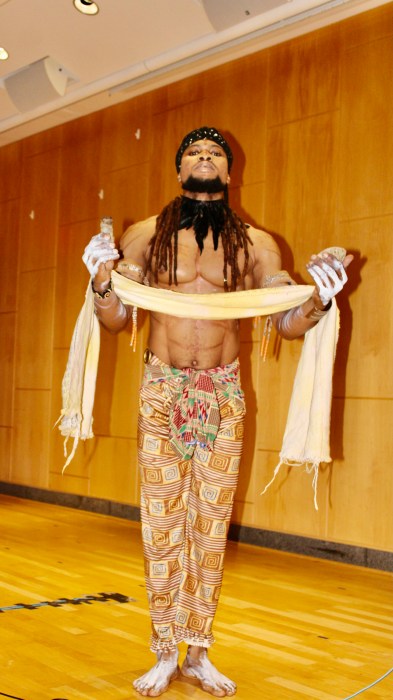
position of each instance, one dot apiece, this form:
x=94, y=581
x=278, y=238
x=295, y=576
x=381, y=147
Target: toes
x=140, y=687
x=231, y=688
x=217, y=692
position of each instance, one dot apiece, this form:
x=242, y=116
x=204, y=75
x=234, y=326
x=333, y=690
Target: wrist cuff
x=316, y=314
x=105, y=294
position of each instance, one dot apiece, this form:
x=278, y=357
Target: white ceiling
x=135, y=45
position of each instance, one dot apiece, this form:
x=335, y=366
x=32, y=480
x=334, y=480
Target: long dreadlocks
x=164, y=244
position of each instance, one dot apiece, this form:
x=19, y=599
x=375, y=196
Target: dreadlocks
x=164, y=244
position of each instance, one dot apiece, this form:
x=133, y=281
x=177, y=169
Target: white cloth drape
x=306, y=437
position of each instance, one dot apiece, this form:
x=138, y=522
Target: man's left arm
x=327, y=271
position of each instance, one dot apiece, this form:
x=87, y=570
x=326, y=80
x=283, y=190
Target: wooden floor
x=288, y=627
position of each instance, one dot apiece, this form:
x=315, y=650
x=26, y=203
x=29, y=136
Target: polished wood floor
x=288, y=627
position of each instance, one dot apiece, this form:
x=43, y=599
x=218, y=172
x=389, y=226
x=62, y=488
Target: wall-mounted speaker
x=37, y=84
x=226, y=14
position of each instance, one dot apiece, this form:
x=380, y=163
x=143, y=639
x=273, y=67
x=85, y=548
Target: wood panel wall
x=310, y=124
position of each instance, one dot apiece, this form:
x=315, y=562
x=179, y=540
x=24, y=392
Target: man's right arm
x=100, y=256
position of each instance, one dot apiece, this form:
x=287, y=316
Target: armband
x=125, y=266
x=280, y=277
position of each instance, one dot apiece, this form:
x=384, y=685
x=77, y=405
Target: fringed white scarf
x=307, y=433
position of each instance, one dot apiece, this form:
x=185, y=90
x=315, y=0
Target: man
x=191, y=403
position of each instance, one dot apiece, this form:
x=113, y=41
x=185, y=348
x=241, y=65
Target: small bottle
x=106, y=226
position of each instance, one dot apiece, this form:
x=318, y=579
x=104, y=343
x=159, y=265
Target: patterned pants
x=186, y=506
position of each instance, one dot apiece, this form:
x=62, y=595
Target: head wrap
x=204, y=132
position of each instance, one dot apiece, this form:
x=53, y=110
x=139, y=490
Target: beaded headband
x=204, y=132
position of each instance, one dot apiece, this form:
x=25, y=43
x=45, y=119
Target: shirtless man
x=191, y=403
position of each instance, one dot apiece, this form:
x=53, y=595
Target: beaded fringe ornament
x=134, y=331
x=270, y=281
x=267, y=329
x=125, y=265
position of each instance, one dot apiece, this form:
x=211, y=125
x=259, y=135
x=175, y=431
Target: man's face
x=205, y=163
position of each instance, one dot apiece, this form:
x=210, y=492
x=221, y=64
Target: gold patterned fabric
x=194, y=415
x=186, y=506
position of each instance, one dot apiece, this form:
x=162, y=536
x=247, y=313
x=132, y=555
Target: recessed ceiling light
x=87, y=7
x=3, y=54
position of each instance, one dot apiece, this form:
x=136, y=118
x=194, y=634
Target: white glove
x=328, y=274
x=100, y=250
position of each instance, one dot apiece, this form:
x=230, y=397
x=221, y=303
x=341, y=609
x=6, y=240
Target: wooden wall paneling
x=249, y=202
x=30, y=445
x=368, y=26
x=9, y=217
x=81, y=466
x=304, y=76
x=363, y=366
x=59, y=363
x=80, y=169
x=68, y=483
x=244, y=512
x=288, y=504
x=168, y=130
x=252, y=509
x=5, y=453
x=39, y=211
x=126, y=132
x=114, y=474
x=235, y=103
x=119, y=376
x=366, y=162
x=43, y=141
x=361, y=491
x=176, y=95
x=10, y=167
x=301, y=187
x=7, y=366
x=267, y=387
x=125, y=196
x=34, y=341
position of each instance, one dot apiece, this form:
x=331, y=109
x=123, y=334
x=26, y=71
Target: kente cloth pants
x=186, y=506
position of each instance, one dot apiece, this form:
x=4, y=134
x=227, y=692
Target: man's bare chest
x=206, y=266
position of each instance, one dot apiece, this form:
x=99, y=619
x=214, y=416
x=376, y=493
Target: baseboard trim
x=102, y=506
x=295, y=544
x=322, y=549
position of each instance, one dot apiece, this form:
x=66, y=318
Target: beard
x=196, y=184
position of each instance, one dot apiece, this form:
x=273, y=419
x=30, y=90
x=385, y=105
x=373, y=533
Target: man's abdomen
x=193, y=343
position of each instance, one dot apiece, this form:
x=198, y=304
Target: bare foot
x=198, y=665
x=156, y=681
